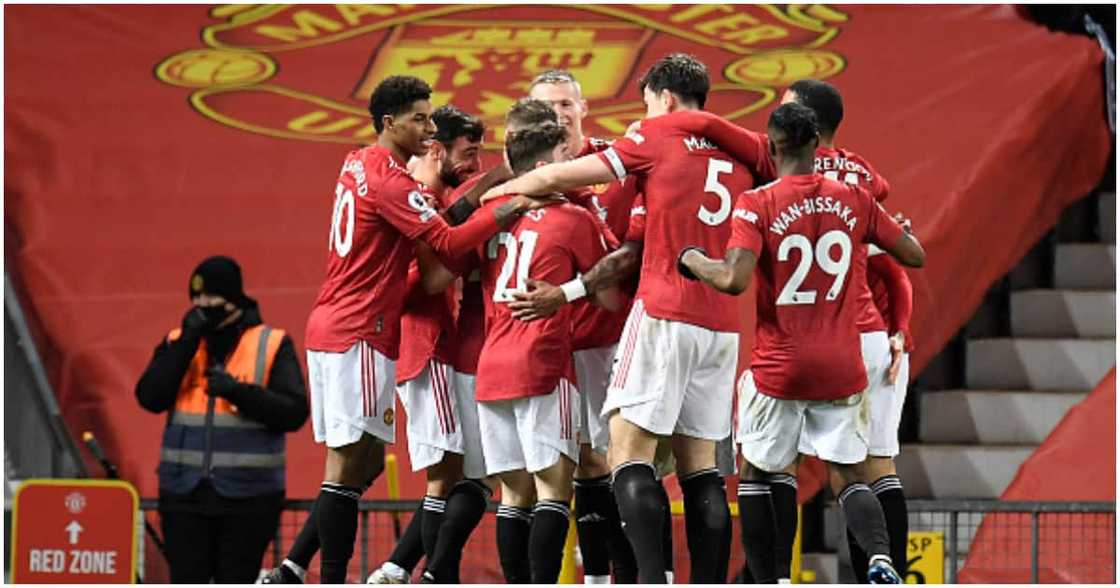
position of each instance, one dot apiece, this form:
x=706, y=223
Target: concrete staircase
x=1048, y=339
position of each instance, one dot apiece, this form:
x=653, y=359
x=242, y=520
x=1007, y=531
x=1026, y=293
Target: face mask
x=214, y=314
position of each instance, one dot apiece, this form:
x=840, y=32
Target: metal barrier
x=1027, y=537
x=1070, y=535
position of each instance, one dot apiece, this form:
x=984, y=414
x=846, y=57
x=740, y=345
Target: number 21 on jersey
x=519, y=256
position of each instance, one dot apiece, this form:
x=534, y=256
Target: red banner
x=1076, y=462
x=141, y=139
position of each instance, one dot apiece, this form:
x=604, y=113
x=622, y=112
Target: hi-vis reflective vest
x=206, y=438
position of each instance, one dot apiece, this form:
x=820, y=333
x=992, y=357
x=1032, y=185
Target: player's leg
x=502, y=450
x=886, y=415
x=405, y=555
x=885, y=403
x=352, y=414
x=768, y=431
x=601, y=540
x=783, y=498
x=548, y=428
x=467, y=500
x=705, y=420
x=838, y=432
x=644, y=399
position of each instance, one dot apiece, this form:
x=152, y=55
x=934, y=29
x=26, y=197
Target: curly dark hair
x=797, y=125
x=529, y=112
x=452, y=123
x=394, y=96
x=681, y=74
x=824, y=99
x=527, y=146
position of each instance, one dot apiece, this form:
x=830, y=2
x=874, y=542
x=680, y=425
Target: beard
x=448, y=175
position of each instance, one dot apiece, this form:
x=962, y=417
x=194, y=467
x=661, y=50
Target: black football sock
x=434, y=507
x=546, y=540
x=865, y=520
x=337, y=513
x=465, y=506
x=707, y=522
x=514, y=525
x=888, y=490
x=858, y=558
x=623, y=564
x=783, y=498
x=593, y=502
x=668, y=556
x=408, y=551
x=306, y=544
x=756, y=516
x=642, y=507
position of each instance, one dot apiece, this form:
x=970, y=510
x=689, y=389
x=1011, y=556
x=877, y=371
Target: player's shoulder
x=761, y=191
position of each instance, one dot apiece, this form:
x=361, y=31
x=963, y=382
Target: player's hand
x=682, y=261
x=540, y=299
x=495, y=192
x=904, y=222
x=426, y=168
x=195, y=322
x=898, y=347
x=219, y=382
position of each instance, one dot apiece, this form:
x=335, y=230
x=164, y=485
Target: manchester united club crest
x=306, y=72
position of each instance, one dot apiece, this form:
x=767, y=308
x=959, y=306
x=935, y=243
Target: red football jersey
x=427, y=325
x=522, y=359
x=470, y=324
x=378, y=211
x=808, y=232
x=893, y=293
x=844, y=166
x=688, y=185
x=595, y=326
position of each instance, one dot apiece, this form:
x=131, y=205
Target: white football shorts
x=769, y=428
x=442, y=417
x=530, y=433
x=593, y=371
x=671, y=377
x=351, y=394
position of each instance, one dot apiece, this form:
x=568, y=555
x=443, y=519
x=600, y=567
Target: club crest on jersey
x=388, y=416
x=251, y=71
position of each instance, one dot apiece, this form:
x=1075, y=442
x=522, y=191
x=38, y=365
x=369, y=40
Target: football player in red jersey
x=526, y=386
x=674, y=369
x=804, y=232
x=888, y=311
x=353, y=332
x=597, y=331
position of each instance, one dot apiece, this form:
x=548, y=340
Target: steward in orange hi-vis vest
x=232, y=387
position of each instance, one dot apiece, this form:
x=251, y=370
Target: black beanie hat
x=219, y=276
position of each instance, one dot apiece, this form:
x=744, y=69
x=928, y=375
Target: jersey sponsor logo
x=481, y=58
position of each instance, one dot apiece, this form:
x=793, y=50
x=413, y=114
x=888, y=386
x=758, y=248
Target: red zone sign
x=74, y=532
x=306, y=72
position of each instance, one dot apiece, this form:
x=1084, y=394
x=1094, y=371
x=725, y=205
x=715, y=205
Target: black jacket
x=281, y=407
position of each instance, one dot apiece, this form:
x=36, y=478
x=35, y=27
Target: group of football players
x=566, y=325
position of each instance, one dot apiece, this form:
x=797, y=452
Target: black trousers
x=227, y=548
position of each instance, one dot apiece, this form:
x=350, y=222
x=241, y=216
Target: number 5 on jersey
x=519, y=255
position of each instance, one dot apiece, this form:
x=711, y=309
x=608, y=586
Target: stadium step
x=959, y=471
x=993, y=417
x=1038, y=364
x=1063, y=313
x=1106, y=215
x=1085, y=266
